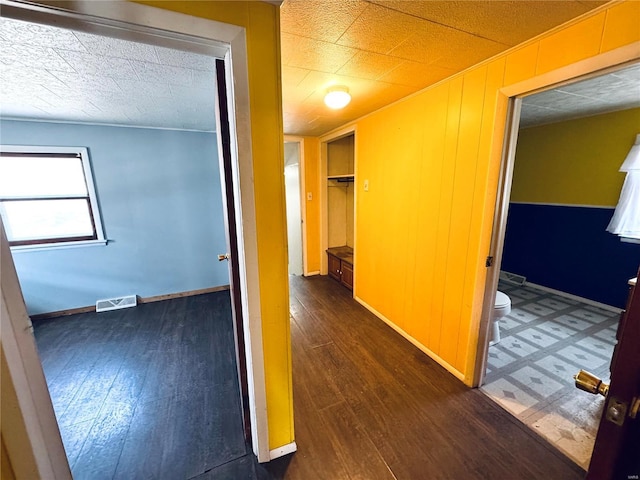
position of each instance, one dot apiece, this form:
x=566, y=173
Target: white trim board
x=97, y=124
x=283, y=450
x=562, y=205
x=570, y=296
x=450, y=368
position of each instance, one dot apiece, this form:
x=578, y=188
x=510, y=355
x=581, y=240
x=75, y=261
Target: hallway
x=370, y=405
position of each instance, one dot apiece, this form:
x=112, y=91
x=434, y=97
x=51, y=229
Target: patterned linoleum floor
x=545, y=340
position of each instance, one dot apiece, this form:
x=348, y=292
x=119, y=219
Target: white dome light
x=337, y=97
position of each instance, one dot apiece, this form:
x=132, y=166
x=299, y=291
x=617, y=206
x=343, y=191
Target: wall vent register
x=47, y=197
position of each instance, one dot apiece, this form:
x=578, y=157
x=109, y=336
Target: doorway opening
x=564, y=274
x=170, y=52
x=293, y=189
x=338, y=175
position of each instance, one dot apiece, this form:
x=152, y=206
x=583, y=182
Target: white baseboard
x=570, y=296
x=282, y=451
x=311, y=274
x=450, y=368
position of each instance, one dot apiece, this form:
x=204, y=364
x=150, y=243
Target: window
x=47, y=196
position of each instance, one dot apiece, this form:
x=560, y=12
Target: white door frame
x=199, y=35
x=589, y=68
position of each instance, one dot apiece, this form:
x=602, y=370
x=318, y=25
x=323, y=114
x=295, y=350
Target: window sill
x=58, y=246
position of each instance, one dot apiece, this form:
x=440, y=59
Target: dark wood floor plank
x=240, y=469
x=102, y=449
x=357, y=451
x=147, y=392
x=401, y=411
x=311, y=374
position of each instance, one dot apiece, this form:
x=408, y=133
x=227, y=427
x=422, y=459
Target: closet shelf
x=341, y=178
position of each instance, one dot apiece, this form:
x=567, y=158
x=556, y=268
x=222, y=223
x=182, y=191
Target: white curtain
x=626, y=218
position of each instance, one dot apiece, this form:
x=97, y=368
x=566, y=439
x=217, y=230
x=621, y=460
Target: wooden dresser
x=341, y=265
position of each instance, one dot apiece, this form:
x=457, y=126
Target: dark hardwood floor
x=148, y=392
x=369, y=405
x=152, y=392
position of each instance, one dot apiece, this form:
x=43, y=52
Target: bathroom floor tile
x=597, y=346
x=558, y=367
x=507, y=323
x=498, y=358
x=546, y=339
x=522, y=315
x=536, y=336
x=537, y=309
x=509, y=396
x=517, y=347
x=555, y=328
x=608, y=335
x=589, y=315
x=572, y=322
x=553, y=303
x=536, y=381
x=582, y=358
x=524, y=293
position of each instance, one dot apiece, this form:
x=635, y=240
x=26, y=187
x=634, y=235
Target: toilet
x=501, y=308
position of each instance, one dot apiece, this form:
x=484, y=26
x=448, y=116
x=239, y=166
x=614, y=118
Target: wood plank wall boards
x=432, y=160
x=370, y=405
x=312, y=185
x=155, y=298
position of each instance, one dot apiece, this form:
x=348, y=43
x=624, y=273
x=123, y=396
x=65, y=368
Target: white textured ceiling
x=619, y=90
x=384, y=50
x=50, y=73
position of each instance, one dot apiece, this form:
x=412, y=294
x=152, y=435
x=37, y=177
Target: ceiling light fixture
x=337, y=97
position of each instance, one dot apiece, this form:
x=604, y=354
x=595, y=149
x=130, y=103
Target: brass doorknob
x=223, y=256
x=590, y=383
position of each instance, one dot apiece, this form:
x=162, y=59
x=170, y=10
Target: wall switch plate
x=366, y=185
x=309, y=196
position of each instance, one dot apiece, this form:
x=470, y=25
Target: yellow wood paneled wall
x=312, y=207
x=423, y=229
x=262, y=23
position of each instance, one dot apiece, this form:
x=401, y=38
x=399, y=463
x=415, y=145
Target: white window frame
x=83, y=154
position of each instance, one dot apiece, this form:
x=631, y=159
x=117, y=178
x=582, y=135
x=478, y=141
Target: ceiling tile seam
x=376, y=80
x=578, y=95
x=387, y=54
x=404, y=62
x=351, y=24
x=527, y=104
x=438, y=23
x=569, y=117
x=401, y=59
x=51, y=91
x=153, y=48
x=94, y=56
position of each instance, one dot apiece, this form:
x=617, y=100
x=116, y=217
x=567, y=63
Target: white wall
x=294, y=215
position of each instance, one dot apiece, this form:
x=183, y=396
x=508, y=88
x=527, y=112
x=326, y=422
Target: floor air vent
x=116, y=303
x=512, y=278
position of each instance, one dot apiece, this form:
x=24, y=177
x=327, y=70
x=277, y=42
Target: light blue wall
x=159, y=195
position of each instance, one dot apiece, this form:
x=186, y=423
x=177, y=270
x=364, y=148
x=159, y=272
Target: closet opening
x=338, y=176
